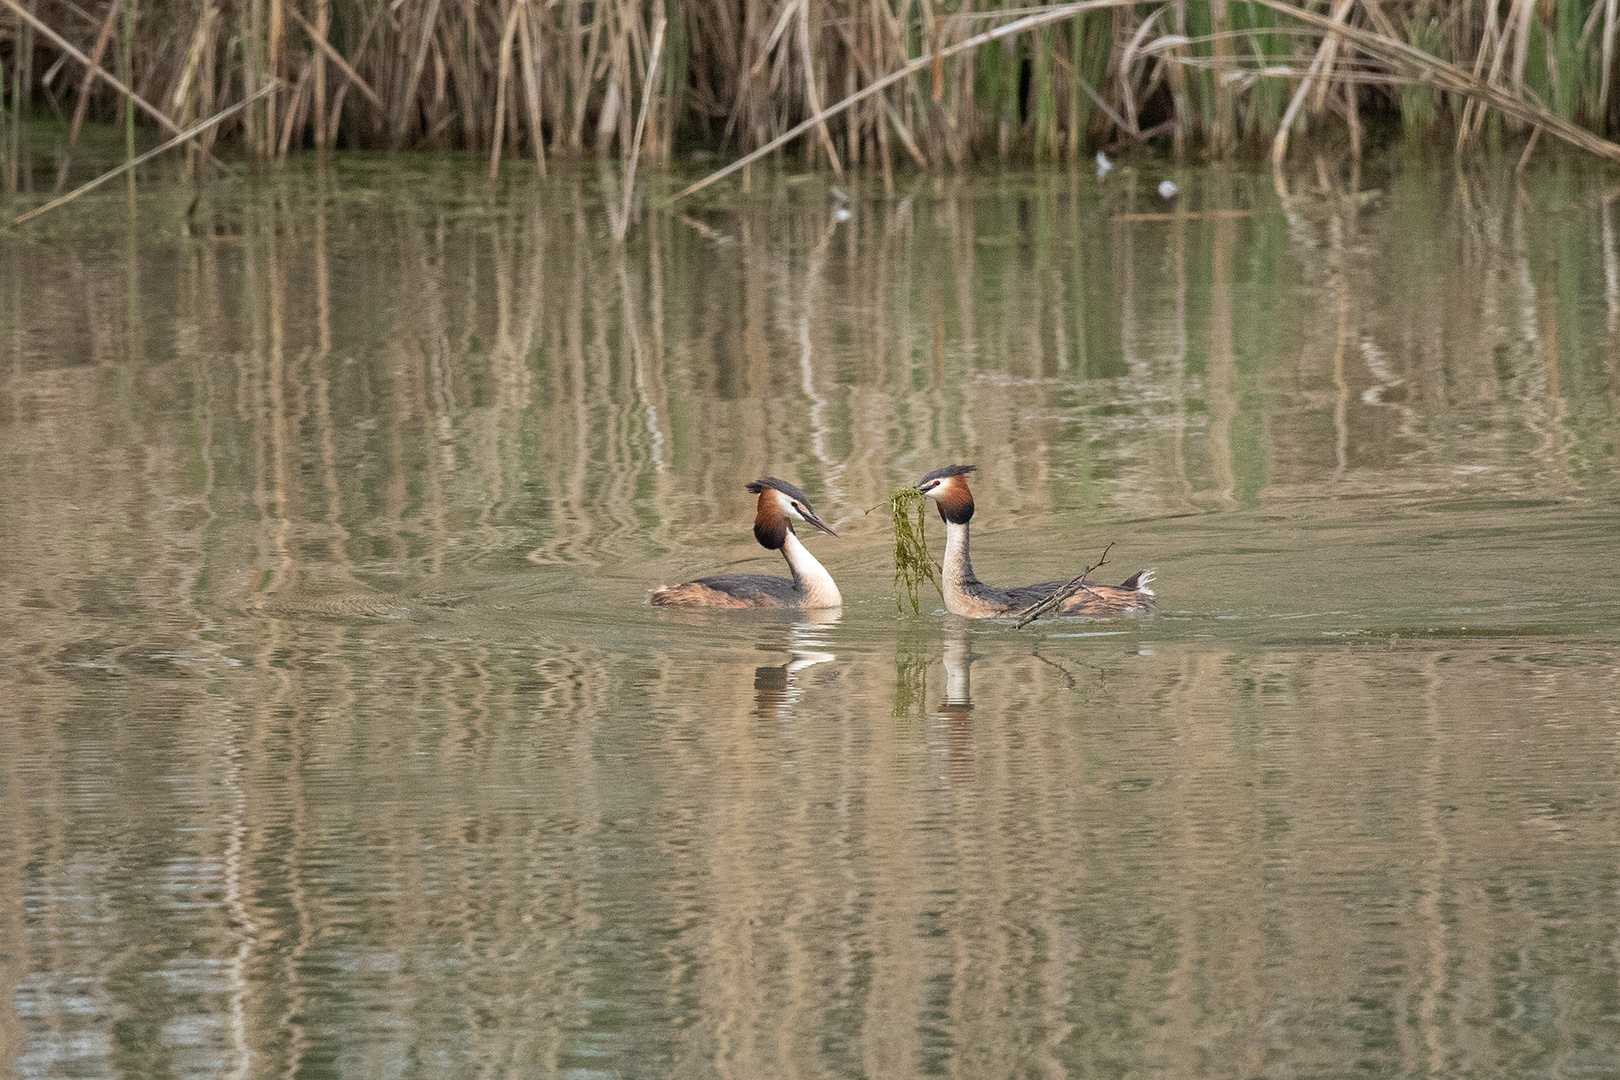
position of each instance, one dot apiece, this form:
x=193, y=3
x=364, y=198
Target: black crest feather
x=949, y=471
x=779, y=485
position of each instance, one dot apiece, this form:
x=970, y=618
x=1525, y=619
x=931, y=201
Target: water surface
x=336, y=739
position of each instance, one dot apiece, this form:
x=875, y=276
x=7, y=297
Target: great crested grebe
x=780, y=505
x=967, y=596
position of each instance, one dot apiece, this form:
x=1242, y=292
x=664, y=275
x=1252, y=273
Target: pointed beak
x=816, y=521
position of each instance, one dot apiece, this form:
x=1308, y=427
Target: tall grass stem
x=183, y=137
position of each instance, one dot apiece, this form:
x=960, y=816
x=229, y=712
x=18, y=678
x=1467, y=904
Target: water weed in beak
x=912, y=564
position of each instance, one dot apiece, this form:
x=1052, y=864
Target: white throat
x=819, y=588
x=957, y=573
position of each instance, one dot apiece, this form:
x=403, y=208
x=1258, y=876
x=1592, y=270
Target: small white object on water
x=838, y=193
x=1167, y=189
x=841, y=213
x=1104, y=166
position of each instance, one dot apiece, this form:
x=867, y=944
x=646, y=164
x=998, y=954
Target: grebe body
x=811, y=587
x=971, y=598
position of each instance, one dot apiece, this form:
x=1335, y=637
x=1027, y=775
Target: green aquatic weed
x=912, y=564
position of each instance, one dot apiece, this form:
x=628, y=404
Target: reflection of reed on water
x=230, y=490
x=578, y=414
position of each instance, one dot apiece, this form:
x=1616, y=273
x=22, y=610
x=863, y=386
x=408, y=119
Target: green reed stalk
x=25, y=64
x=1567, y=90
x=8, y=135
x=1265, y=102
x=1078, y=102
x=1012, y=70
x=1095, y=43
x=1044, y=92
x=22, y=103
x=1419, y=108
x=126, y=72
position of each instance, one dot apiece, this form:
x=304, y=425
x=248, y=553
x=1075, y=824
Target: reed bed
x=872, y=82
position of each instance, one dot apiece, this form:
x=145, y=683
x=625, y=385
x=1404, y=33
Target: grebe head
x=948, y=488
x=781, y=504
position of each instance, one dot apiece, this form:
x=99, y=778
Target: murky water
x=335, y=738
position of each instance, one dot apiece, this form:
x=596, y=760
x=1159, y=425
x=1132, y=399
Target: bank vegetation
x=960, y=82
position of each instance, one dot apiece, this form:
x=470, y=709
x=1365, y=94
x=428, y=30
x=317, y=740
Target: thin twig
x=337, y=58
x=184, y=136
x=1075, y=585
x=1530, y=144
x=83, y=104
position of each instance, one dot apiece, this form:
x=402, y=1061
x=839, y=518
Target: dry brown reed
x=937, y=83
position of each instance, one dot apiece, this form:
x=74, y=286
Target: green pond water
x=336, y=738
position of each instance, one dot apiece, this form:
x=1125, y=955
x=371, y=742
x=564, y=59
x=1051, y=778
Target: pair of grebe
x=810, y=587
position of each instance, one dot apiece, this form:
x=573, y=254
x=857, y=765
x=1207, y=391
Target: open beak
x=811, y=517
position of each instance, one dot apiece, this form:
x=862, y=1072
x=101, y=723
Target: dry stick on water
x=184, y=136
x=912, y=564
x=1075, y=585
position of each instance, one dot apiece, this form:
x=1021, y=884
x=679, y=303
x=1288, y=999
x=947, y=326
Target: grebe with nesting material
x=971, y=598
x=811, y=587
